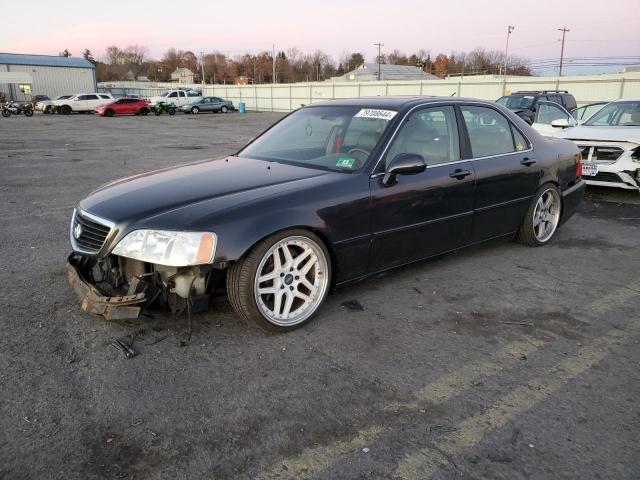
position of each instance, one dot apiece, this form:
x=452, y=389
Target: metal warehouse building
x=22, y=76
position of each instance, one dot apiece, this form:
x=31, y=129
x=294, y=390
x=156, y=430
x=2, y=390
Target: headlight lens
x=165, y=247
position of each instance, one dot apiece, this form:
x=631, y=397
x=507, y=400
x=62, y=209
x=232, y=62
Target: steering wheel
x=359, y=150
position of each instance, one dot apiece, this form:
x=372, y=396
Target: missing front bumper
x=95, y=303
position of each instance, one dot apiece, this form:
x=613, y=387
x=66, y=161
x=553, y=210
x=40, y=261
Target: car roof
x=393, y=102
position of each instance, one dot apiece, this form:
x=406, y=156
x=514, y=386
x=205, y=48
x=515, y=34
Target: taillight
x=578, y=157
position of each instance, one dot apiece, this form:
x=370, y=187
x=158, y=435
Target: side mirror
x=403, y=164
x=562, y=123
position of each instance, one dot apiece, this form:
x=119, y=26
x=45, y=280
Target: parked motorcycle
x=14, y=108
x=164, y=107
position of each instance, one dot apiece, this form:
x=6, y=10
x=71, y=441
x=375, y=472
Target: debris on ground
x=128, y=350
x=353, y=305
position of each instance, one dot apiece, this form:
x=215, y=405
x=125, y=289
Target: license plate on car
x=589, y=169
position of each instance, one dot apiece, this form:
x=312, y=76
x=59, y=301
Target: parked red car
x=124, y=106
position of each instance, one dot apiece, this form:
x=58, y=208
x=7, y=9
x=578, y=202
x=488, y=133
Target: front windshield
x=516, y=102
x=617, y=114
x=337, y=138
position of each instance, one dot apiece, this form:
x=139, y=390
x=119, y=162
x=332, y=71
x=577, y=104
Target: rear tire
x=296, y=288
x=144, y=112
x=6, y=113
x=540, y=223
x=28, y=112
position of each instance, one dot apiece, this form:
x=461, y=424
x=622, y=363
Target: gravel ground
x=500, y=362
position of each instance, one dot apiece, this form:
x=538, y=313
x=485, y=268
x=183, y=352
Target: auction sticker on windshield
x=374, y=113
x=345, y=162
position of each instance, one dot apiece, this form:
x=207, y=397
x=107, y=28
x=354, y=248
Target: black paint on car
x=333, y=193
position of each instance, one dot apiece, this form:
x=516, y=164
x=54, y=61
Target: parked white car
x=177, y=97
x=609, y=141
x=46, y=106
x=81, y=102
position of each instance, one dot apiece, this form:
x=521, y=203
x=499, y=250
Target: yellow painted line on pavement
x=314, y=460
x=426, y=462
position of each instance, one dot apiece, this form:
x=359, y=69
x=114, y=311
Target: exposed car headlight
x=166, y=247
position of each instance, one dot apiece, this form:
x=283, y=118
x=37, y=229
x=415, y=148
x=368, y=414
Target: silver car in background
x=208, y=104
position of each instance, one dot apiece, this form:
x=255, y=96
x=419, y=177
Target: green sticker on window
x=345, y=162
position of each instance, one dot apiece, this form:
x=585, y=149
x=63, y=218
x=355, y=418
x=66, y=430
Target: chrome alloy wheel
x=546, y=215
x=291, y=281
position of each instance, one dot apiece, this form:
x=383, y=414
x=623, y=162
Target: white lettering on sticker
x=372, y=113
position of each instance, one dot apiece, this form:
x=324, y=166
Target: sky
x=597, y=28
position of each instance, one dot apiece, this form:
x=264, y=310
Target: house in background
x=368, y=72
x=243, y=80
x=182, y=75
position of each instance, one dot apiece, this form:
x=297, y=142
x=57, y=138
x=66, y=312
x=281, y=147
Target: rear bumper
x=571, y=199
x=96, y=303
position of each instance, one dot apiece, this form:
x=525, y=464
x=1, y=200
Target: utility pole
x=564, y=31
x=379, y=45
x=274, y=63
x=510, y=29
x=202, y=67
x=255, y=79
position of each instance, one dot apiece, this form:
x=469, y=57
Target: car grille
x=88, y=234
x=600, y=154
x=604, y=177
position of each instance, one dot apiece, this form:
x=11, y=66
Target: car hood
x=602, y=134
x=226, y=182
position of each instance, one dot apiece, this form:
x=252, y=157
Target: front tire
x=195, y=110
x=28, y=112
x=542, y=218
x=65, y=109
x=6, y=113
x=172, y=111
x=224, y=109
x=281, y=282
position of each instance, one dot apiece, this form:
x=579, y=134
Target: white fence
x=286, y=97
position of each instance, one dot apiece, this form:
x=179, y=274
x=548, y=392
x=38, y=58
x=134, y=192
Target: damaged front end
x=118, y=276
x=117, y=288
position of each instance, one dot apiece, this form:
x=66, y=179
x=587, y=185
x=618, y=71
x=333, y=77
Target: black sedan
x=334, y=192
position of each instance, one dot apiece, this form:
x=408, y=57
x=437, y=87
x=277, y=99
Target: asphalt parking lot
x=500, y=362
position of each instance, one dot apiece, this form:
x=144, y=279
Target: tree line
x=291, y=66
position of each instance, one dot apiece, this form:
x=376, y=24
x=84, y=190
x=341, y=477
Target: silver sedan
x=208, y=104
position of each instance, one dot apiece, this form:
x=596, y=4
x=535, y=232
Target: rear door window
x=489, y=131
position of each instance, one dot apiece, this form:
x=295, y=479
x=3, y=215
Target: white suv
x=177, y=97
x=82, y=102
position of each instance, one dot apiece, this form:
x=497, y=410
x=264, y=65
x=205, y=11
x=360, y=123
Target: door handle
x=527, y=162
x=459, y=173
